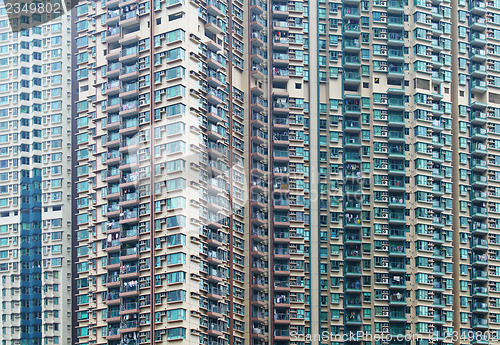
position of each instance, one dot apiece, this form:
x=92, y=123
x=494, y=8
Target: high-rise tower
x=263, y=172
x=161, y=172
x=35, y=181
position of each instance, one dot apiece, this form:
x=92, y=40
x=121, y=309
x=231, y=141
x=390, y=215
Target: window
x=176, y=333
x=176, y=259
x=175, y=35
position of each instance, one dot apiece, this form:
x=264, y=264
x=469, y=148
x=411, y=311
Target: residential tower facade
x=263, y=172
x=35, y=181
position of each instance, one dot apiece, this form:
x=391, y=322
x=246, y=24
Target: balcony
x=397, y=316
x=281, y=139
x=353, y=254
x=397, y=104
x=437, y=45
x=395, y=39
x=113, y=246
x=397, y=282
x=352, y=108
x=352, y=45
x=478, y=244
x=479, y=260
x=280, y=122
x=352, y=220
x=351, y=30
x=395, y=23
x=478, y=196
x=396, y=185
x=113, y=16
x=397, y=234
x=477, y=8
x=352, y=303
x=479, y=228
x=354, y=190
x=397, y=267
x=113, y=315
x=396, y=169
x=395, y=71
x=479, y=181
x=280, y=11
x=352, y=206
x=281, y=335
x=352, y=142
x=478, y=323
x=395, y=7
x=397, y=299
x=129, y=72
x=397, y=218
x=113, y=298
x=478, y=39
x=257, y=23
x=280, y=76
x=352, y=237
x=129, y=288
x=478, y=86
x=479, y=275
x=438, y=303
x=396, y=152
x=352, y=157
x=352, y=126
x=478, y=118
x=215, y=61
x=353, y=318
x=129, y=235
x=257, y=6
x=396, y=137
x=113, y=34
x=352, y=270
x=397, y=250
x=478, y=307
x=478, y=55
x=351, y=12
x=395, y=55
x=215, y=8
x=479, y=149
x=129, y=108
x=215, y=25
x=437, y=173
x=439, y=286
x=281, y=285
x=477, y=23
x=129, y=326
x=130, y=253
x=129, y=308
x=353, y=286
x=479, y=212
x=478, y=133
x=280, y=59
x=478, y=291
x=281, y=220
x=129, y=18
x=352, y=78
x=396, y=120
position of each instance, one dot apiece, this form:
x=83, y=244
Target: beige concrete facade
x=326, y=167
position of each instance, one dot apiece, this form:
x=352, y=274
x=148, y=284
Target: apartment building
x=35, y=181
x=268, y=172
